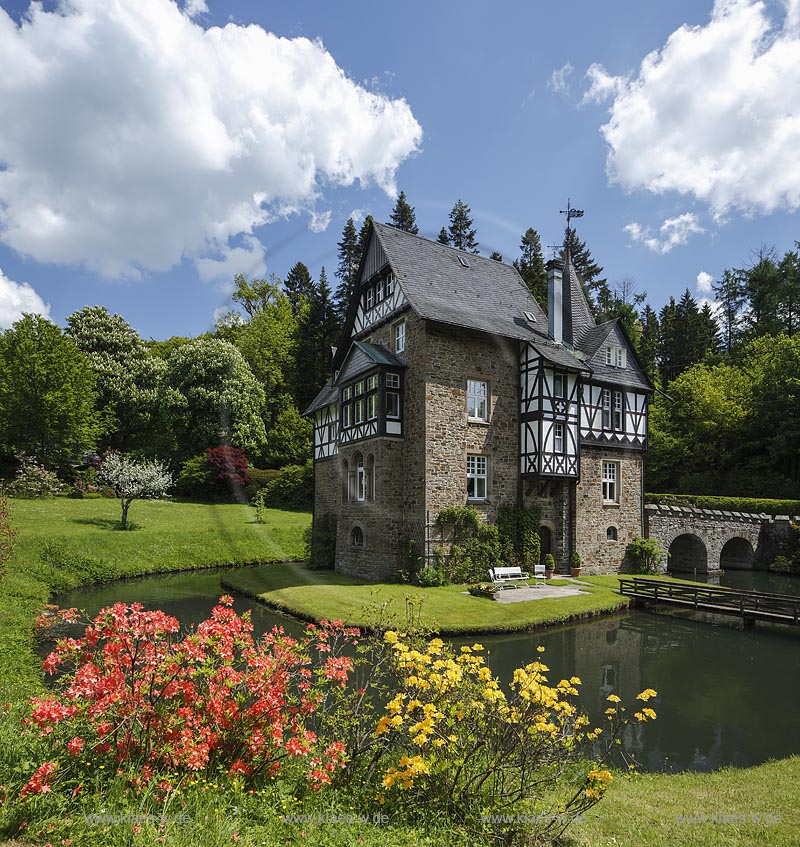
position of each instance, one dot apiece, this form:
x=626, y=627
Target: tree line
x=722, y=420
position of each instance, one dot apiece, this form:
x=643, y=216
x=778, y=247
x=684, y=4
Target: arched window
x=361, y=477
x=611, y=533
x=370, y=472
x=357, y=536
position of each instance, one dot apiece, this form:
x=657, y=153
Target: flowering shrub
x=459, y=744
x=7, y=533
x=133, y=695
x=33, y=479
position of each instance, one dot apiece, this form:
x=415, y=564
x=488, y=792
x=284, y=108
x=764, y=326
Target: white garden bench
x=508, y=576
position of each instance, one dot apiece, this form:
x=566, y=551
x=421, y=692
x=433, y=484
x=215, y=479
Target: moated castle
x=451, y=387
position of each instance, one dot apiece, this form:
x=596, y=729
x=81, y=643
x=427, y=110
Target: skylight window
x=530, y=317
x=464, y=261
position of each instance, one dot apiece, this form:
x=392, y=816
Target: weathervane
x=571, y=213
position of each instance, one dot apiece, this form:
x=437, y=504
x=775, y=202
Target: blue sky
x=147, y=155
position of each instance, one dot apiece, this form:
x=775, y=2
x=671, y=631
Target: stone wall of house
x=452, y=356
x=397, y=512
x=552, y=499
x=593, y=517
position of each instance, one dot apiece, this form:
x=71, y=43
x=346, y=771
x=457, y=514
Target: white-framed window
x=358, y=388
x=392, y=380
x=372, y=382
x=380, y=289
x=610, y=482
x=611, y=534
x=359, y=415
x=618, y=411
x=606, y=408
x=370, y=297
x=400, y=337
x=347, y=393
x=476, y=477
x=361, y=480
x=558, y=437
x=559, y=385
x=477, y=400
x=372, y=407
x=390, y=285
x=392, y=404
x=616, y=356
x=346, y=416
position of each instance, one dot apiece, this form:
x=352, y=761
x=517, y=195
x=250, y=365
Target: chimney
x=555, y=299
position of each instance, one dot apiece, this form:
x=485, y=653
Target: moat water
x=727, y=696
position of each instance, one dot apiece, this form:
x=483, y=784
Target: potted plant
x=549, y=566
x=575, y=564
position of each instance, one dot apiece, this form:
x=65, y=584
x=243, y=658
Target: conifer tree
x=346, y=270
x=530, y=265
x=496, y=256
x=363, y=235
x=403, y=215
x=318, y=331
x=649, y=341
x=443, y=237
x=461, y=232
x=729, y=293
x=298, y=286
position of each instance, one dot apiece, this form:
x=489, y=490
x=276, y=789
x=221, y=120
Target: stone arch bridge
x=709, y=540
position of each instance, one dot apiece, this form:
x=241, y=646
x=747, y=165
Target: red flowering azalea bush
x=141, y=699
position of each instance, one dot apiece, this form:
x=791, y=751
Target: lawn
x=448, y=610
x=63, y=543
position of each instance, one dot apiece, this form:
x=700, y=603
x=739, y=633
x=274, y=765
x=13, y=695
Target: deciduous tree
x=133, y=479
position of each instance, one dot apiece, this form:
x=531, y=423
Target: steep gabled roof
x=592, y=344
x=484, y=295
x=577, y=313
x=360, y=357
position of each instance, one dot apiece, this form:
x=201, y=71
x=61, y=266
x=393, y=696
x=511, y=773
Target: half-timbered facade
x=450, y=386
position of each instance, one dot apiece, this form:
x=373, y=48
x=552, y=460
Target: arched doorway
x=545, y=543
x=737, y=554
x=687, y=553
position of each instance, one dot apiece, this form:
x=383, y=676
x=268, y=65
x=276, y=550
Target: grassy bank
x=728, y=808
x=449, y=610
x=65, y=543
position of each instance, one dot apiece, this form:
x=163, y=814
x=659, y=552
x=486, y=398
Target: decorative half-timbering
x=450, y=386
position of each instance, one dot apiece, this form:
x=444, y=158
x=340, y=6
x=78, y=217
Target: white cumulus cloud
x=674, y=232
x=16, y=298
x=249, y=260
x=715, y=113
x=132, y=136
x=559, y=79
x=319, y=221
x=704, y=282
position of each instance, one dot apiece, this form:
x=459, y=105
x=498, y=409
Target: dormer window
x=370, y=297
x=616, y=356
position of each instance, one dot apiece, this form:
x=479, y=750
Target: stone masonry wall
x=397, y=511
x=453, y=356
x=593, y=517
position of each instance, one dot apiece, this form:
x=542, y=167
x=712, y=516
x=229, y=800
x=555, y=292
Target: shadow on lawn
x=106, y=523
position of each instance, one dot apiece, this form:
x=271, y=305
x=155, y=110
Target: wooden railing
x=759, y=605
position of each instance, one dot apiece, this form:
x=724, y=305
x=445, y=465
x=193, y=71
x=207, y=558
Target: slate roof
x=361, y=357
x=488, y=296
x=577, y=314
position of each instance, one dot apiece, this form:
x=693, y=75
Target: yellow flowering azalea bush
x=453, y=742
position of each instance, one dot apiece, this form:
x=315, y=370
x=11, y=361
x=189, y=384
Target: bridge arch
x=687, y=553
x=737, y=554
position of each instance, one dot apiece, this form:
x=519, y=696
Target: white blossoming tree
x=134, y=479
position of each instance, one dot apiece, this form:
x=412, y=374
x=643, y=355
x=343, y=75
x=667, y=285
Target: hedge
x=754, y=505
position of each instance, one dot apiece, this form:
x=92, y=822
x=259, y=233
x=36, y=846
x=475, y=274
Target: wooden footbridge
x=749, y=605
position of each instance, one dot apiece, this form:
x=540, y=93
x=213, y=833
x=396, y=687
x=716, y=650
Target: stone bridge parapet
x=707, y=540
